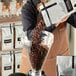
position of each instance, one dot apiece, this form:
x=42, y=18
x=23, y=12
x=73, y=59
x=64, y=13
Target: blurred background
x=11, y=32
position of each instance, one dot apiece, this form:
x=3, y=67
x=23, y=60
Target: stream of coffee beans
x=38, y=52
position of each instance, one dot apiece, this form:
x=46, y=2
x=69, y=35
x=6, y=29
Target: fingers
x=62, y=20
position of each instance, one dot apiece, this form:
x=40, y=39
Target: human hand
x=47, y=39
x=62, y=20
x=26, y=43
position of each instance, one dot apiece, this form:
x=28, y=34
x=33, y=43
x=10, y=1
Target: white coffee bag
x=7, y=64
x=55, y=10
x=7, y=37
x=18, y=35
x=18, y=60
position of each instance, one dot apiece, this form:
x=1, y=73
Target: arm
x=29, y=17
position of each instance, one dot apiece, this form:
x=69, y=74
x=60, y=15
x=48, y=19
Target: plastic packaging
x=66, y=66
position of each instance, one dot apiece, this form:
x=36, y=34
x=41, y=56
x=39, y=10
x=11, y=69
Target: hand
x=26, y=43
x=29, y=17
x=47, y=39
x=62, y=20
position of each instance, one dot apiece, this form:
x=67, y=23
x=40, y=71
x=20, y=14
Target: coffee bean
x=38, y=52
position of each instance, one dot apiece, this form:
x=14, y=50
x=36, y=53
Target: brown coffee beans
x=38, y=51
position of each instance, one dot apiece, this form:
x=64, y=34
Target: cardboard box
x=55, y=10
x=7, y=36
x=6, y=64
x=17, y=61
x=18, y=35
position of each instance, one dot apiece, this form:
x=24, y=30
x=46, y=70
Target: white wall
x=73, y=41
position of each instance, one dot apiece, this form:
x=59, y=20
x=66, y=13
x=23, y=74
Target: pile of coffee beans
x=38, y=51
x=36, y=37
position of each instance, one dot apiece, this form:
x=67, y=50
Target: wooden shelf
x=15, y=49
x=10, y=19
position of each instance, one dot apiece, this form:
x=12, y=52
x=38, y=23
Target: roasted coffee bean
x=38, y=52
x=37, y=56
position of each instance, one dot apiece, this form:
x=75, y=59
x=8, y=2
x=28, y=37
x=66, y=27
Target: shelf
x=15, y=49
x=10, y=19
x=11, y=50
